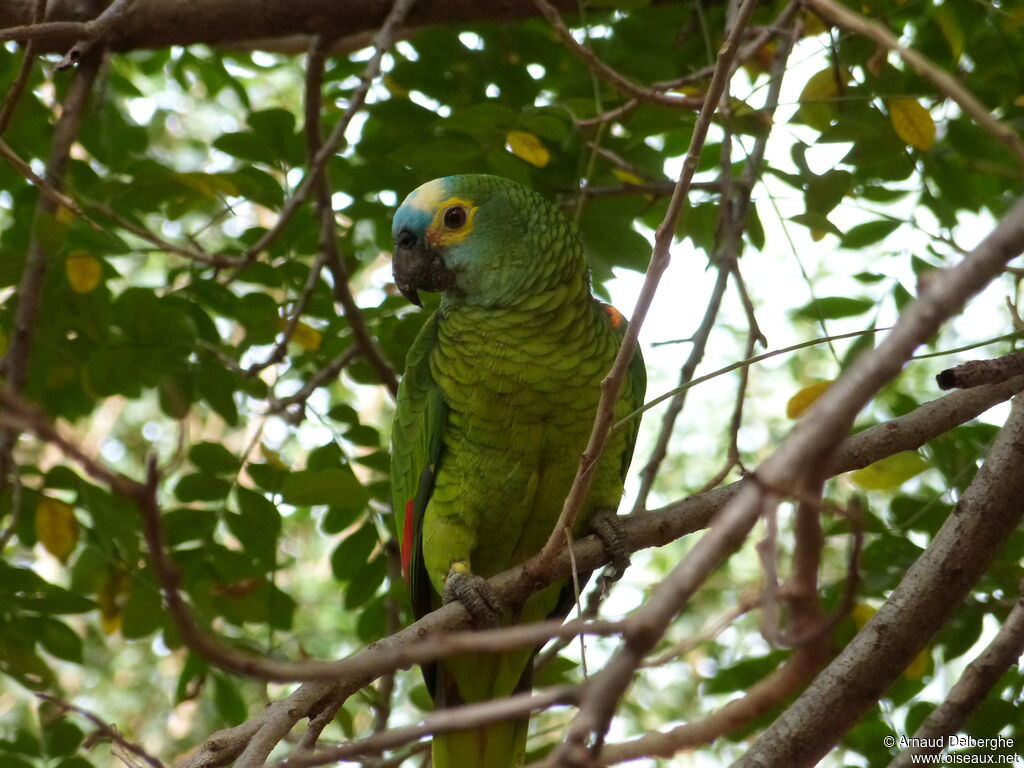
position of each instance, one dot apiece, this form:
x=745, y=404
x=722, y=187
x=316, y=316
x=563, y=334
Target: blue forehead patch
x=417, y=210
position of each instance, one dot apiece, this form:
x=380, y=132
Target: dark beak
x=417, y=266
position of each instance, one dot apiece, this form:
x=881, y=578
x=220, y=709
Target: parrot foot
x=475, y=594
x=607, y=526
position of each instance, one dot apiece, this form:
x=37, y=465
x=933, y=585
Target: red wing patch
x=616, y=317
x=407, y=540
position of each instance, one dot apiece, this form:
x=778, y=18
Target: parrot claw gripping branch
x=497, y=402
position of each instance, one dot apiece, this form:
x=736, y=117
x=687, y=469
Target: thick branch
x=411, y=645
x=796, y=468
x=977, y=680
x=158, y=23
x=988, y=512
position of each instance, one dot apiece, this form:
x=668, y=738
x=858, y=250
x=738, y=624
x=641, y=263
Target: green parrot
x=495, y=408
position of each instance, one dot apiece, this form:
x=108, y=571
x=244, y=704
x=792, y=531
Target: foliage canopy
x=175, y=299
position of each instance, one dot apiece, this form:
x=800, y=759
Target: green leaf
x=370, y=579
x=228, y=700
x=350, y=557
x=199, y=486
x=817, y=223
x=743, y=674
x=868, y=233
x=258, y=526
x=833, y=307
x=214, y=459
x=62, y=737
x=323, y=486
x=143, y=611
x=59, y=639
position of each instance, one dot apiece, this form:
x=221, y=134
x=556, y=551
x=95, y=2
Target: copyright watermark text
x=1000, y=750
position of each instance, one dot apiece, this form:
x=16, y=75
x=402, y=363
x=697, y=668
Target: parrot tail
x=498, y=745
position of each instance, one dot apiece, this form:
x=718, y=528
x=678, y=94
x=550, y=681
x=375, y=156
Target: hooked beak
x=416, y=267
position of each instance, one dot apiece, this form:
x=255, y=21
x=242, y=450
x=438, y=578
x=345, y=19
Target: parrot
x=493, y=412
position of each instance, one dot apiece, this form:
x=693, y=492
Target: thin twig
x=30, y=289
x=660, y=258
x=336, y=139
x=318, y=379
x=108, y=730
x=605, y=72
x=194, y=253
x=328, y=238
x=441, y=721
x=305, y=296
x=24, y=71
x=586, y=734
x=978, y=372
x=96, y=30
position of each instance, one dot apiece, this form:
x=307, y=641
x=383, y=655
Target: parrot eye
x=454, y=217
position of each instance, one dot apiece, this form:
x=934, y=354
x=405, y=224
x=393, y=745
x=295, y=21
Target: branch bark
x=977, y=680
x=988, y=512
x=158, y=23
x=652, y=529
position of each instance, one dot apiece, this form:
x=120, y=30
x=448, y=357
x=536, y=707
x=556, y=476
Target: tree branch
x=606, y=73
x=653, y=529
x=37, y=263
x=973, y=686
x=795, y=468
x=159, y=24
x=336, y=140
x=660, y=258
x=988, y=512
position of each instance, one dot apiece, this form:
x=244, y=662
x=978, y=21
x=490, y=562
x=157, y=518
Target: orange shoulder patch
x=616, y=317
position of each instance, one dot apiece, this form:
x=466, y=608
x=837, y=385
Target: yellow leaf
x=273, y=457
x=917, y=668
x=212, y=186
x=306, y=336
x=890, y=472
x=1019, y=101
x=803, y=399
x=56, y=527
x=761, y=60
x=813, y=25
x=84, y=271
x=951, y=29
x=64, y=215
x=111, y=598
x=690, y=90
x=527, y=147
x=393, y=87
x=912, y=123
x=820, y=90
x=861, y=614
x=626, y=177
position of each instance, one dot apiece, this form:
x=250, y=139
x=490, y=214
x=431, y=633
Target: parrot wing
x=420, y=419
x=635, y=385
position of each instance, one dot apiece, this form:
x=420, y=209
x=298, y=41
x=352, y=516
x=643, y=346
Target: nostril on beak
x=405, y=239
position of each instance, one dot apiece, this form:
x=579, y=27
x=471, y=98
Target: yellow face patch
x=427, y=196
x=440, y=233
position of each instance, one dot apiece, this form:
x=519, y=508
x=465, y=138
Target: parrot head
x=482, y=240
